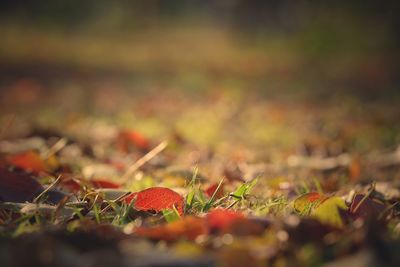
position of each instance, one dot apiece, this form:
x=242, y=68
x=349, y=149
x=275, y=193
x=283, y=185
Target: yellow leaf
x=327, y=211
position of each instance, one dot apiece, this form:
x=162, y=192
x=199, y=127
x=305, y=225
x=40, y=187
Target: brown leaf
x=366, y=207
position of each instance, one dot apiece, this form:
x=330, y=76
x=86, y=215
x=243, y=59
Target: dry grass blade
x=143, y=160
x=60, y=144
x=47, y=189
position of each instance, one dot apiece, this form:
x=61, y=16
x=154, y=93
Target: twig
x=60, y=144
x=143, y=160
x=47, y=189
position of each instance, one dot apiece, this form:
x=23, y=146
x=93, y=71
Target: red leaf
x=18, y=187
x=219, y=219
x=212, y=188
x=127, y=139
x=188, y=228
x=102, y=183
x=156, y=199
x=314, y=196
x=29, y=161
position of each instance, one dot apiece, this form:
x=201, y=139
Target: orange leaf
x=29, y=161
x=127, y=139
x=188, y=228
x=156, y=199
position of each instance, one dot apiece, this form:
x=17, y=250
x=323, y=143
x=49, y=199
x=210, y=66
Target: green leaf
x=243, y=190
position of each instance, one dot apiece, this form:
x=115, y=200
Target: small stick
x=143, y=160
x=47, y=189
x=60, y=144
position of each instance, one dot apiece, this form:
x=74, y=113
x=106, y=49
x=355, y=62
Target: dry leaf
x=156, y=199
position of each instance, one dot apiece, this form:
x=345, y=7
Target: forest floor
x=209, y=163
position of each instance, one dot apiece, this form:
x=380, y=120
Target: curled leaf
x=156, y=199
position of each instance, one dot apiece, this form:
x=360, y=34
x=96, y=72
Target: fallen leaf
x=128, y=139
x=212, y=188
x=305, y=202
x=327, y=211
x=156, y=199
x=188, y=228
x=219, y=219
x=29, y=161
x=366, y=207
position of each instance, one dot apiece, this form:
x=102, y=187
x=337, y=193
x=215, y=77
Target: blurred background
x=187, y=66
